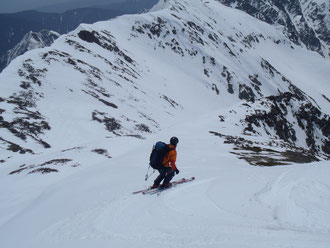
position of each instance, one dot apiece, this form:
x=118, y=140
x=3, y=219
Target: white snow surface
x=230, y=204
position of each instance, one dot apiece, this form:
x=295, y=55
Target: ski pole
x=147, y=175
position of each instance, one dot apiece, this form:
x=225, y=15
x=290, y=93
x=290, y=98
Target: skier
x=166, y=172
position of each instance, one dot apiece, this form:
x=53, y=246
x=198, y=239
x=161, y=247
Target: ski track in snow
x=193, y=215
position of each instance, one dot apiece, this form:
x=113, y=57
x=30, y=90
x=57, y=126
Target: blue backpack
x=159, y=151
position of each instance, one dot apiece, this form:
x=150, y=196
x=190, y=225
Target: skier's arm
x=172, y=158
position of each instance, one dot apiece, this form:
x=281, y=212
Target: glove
x=177, y=171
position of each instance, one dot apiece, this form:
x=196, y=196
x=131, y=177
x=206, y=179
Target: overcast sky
x=10, y=6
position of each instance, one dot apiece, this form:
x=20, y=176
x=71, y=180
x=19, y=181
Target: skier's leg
x=169, y=175
x=162, y=174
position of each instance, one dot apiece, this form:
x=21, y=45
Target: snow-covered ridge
x=304, y=22
x=125, y=77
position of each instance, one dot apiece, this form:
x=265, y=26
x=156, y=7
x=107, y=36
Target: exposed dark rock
x=72, y=149
x=105, y=40
x=269, y=68
x=43, y=170
x=229, y=50
x=256, y=83
x=246, y=93
x=22, y=168
x=15, y=147
x=326, y=147
x=221, y=118
x=88, y=36
x=111, y=124
x=93, y=94
x=29, y=124
x=326, y=98
x=40, y=168
x=275, y=118
x=225, y=73
x=155, y=29
x=265, y=154
x=254, y=79
x=308, y=117
x=175, y=46
x=173, y=103
x=148, y=118
x=143, y=128
x=215, y=88
x=56, y=162
x=102, y=151
x=286, y=13
x=195, y=27
x=32, y=74
x=206, y=73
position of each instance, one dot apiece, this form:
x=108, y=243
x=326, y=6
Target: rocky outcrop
x=304, y=22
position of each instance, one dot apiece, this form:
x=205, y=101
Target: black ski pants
x=166, y=173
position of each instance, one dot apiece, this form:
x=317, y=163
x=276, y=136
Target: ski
x=156, y=190
x=159, y=190
x=141, y=191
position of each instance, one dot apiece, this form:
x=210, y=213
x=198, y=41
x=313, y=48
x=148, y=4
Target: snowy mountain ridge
x=304, y=22
x=14, y=26
x=225, y=64
x=78, y=120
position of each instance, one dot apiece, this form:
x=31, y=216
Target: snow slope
x=230, y=204
x=78, y=120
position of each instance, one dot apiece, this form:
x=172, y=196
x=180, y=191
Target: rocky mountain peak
x=30, y=41
x=304, y=22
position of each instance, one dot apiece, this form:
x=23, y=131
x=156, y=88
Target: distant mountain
x=30, y=41
x=129, y=5
x=62, y=6
x=13, y=27
x=305, y=22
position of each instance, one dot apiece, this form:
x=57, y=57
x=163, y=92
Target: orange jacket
x=170, y=158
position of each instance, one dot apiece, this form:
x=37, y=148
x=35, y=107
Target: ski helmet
x=174, y=141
